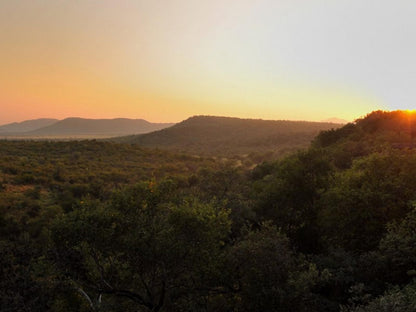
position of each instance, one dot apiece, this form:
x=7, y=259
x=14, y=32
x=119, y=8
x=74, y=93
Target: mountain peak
x=336, y=120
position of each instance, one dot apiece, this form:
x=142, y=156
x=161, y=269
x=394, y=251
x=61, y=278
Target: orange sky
x=167, y=60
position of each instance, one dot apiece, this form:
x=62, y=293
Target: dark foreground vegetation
x=98, y=226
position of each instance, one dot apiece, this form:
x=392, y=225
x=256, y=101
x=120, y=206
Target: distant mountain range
x=231, y=136
x=26, y=126
x=73, y=127
x=336, y=120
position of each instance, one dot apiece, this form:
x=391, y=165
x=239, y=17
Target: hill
x=210, y=135
x=378, y=131
x=71, y=127
x=27, y=125
x=375, y=129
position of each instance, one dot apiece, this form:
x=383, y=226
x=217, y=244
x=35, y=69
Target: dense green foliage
x=98, y=226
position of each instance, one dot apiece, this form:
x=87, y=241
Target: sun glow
x=166, y=61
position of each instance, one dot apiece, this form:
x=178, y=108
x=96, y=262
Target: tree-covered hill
x=211, y=135
x=379, y=127
x=378, y=131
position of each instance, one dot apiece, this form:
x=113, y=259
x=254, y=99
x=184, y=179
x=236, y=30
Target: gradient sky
x=171, y=59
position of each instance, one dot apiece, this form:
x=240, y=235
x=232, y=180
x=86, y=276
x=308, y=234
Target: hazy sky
x=168, y=60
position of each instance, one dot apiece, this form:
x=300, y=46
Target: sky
x=167, y=60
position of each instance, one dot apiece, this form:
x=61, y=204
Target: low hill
x=378, y=127
x=78, y=127
x=210, y=135
x=378, y=131
x=27, y=125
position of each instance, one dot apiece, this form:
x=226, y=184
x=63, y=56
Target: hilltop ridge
x=212, y=135
x=378, y=127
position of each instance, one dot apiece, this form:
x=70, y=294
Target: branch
x=82, y=292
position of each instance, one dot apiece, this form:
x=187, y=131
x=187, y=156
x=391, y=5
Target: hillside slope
x=229, y=136
x=378, y=131
x=99, y=127
x=375, y=129
x=27, y=125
